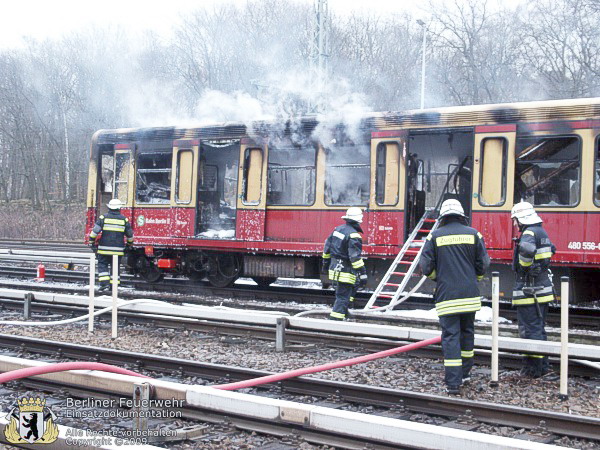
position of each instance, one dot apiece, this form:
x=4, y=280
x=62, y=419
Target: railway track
x=579, y=317
x=382, y=401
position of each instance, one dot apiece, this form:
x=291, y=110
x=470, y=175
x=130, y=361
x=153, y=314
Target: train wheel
x=225, y=269
x=148, y=271
x=264, y=282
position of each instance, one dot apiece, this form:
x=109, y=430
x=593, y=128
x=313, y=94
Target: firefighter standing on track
x=533, y=288
x=343, y=263
x=114, y=227
x=454, y=256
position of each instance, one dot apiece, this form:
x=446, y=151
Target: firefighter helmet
x=354, y=214
x=525, y=214
x=115, y=203
x=451, y=207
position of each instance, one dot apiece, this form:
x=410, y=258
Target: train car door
x=386, y=221
x=183, y=192
x=123, y=178
x=493, y=187
x=251, y=206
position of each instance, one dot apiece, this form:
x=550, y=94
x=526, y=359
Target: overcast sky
x=51, y=18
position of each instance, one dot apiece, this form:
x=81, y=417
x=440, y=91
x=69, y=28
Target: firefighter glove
x=535, y=270
x=362, y=276
x=325, y=266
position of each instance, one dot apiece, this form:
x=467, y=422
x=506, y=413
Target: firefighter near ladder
x=454, y=256
x=343, y=264
x=533, y=288
x=113, y=228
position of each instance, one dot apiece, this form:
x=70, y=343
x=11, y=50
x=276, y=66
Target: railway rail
x=580, y=317
x=395, y=403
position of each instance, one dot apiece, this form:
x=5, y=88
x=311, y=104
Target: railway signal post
x=115, y=286
x=564, y=338
x=92, y=287
x=495, y=314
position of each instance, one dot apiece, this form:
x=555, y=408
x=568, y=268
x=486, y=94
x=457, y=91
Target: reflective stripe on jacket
x=114, y=227
x=344, y=248
x=454, y=256
x=533, y=252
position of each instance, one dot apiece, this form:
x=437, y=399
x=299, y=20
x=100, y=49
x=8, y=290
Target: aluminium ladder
x=403, y=268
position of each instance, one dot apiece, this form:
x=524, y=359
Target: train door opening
x=217, y=189
x=439, y=166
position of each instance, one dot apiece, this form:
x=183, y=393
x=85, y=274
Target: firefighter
x=114, y=227
x=454, y=256
x=533, y=288
x=343, y=263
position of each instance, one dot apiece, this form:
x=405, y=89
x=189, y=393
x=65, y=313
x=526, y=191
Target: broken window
x=492, y=179
x=291, y=175
x=347, y=174
x=253, y=161
x=597, y=175
x=154, y=178
x=388, y=173
x=122, y=175
x=547, y=170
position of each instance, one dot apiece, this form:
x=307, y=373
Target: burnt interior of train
x=439, y=166
x=217, y=189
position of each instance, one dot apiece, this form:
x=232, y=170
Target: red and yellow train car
x=259, y=199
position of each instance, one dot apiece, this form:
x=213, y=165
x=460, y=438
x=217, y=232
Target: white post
x=92, y=286
x=115, y=284
x=495, y=314
x=564, y=337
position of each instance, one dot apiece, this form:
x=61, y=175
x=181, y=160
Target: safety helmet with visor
x=451, y=207
x=115, y=203
x=525, y=214
x=354, y=213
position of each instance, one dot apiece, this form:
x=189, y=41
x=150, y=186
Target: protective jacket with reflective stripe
x=113, y=226
x=531, y=263
x=455, y=257
x=343, y=248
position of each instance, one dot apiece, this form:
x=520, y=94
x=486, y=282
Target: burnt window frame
x=596, y=168
x=245, y=170
x=504, y=170
x=580, y=159
x=164, y=151
x=369, y=168
x=177, y=175
x=315, y=147
x=383, y=145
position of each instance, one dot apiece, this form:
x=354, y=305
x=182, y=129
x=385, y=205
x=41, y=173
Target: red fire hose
x=62, y=367
x=329, y=366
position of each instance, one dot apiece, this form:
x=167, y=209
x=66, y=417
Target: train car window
x=548, y=170
x=107, y=173
x=347, y=175
x=253, y=162
x=153, y=182
x=387, y=178
x=291, y=175
x=122, y=165
x=597, y=174
x=185, y=160
x=492, y=178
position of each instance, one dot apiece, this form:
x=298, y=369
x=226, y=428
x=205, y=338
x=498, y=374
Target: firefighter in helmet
x=343, y=263
x=113, y=227
x=454, y=256
x=533, y=288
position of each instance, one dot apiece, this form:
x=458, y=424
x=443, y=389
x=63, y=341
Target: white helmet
x=451, y=207
x=115, y=203
x=355, y=214
x=525, y=214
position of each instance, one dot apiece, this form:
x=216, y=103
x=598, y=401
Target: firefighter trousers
x=105, y=269
x=458, y=341
x=344, y=296
x=532, y=326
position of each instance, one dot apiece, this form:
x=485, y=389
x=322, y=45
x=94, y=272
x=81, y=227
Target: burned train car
x=258, y=200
